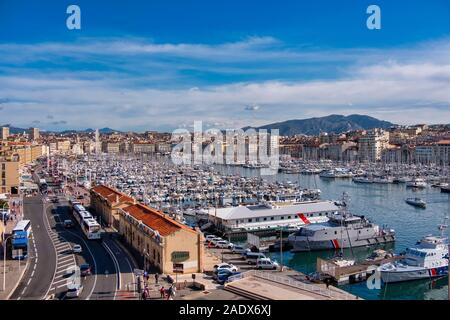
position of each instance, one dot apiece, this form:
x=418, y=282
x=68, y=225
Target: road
x=51, y=256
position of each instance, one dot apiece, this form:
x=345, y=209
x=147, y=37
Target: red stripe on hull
x=304, y=218
x=335, y=244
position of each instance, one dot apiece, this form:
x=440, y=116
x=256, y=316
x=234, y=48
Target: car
x=85, y=269
x=68, y=223
x=252, y=257
x=238, y=249
x=213, y=241
x=74, y=291
x=223, y=277
x=225, y=266
x=209, y=237
x=77, y=249
x=223, y=244
x=267, y=264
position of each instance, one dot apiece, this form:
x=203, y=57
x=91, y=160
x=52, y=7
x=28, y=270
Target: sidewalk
x=13, y=272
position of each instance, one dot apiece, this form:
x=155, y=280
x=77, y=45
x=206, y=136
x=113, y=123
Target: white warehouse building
x=270, y=216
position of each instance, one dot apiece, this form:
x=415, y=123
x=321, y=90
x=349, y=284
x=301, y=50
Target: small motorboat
x=417, y=202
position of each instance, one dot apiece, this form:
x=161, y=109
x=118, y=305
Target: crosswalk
x=65, y=259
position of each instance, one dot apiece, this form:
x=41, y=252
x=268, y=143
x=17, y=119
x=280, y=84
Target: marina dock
x=351, y=274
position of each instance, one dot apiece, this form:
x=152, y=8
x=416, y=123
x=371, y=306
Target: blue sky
x=163, y=64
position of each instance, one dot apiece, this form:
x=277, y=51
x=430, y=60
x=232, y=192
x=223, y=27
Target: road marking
x=29, y=280
x=93, y=259
x=32, y=274
x=64, y=264
x=116, y=266
x=63, y=279
x=64, y=258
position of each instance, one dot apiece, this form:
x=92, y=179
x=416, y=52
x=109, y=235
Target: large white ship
x=342, y=230
x=429, y=259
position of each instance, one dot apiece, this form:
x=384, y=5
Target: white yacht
x=363, y=179
x=429, y=259
x=416, y=183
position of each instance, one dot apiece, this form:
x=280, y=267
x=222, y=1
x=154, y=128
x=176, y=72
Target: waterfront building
x=111, y=147
x=163, y=148
x=270, y=216
x=106, y=202
x=371, y=145
x=443, y=152
x=143, y=147
x=159, y=240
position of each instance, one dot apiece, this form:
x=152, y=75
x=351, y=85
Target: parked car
x=238, y=249
x=252, y=257
x=222, y=244
x=85, y=269
x=223, y=277
x=227, y=266
x=77, y=249
x=209, y=237
x=267, y=264
x=213, y=242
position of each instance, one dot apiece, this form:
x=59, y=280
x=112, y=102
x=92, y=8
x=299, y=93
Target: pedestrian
x=327, y=282
x=169, y=292
x=156, y=277
x=162, y=291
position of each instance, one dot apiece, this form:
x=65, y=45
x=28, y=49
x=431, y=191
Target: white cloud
x=401, y=85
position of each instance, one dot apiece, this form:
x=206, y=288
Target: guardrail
x=294, y=283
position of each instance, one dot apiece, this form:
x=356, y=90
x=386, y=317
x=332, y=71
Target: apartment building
x=34, y=133
x=4, y=133
x=143, y=147
x=9, y=175
x=372, y=144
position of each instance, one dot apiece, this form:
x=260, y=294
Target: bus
x=90, y=227
x=20, y=235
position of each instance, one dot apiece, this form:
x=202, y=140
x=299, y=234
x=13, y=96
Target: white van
x=267, y=264
x=252, y=257
x=238, y=249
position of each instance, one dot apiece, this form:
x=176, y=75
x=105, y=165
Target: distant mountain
x=102, y=130
x=15, y=130
x=332, y=124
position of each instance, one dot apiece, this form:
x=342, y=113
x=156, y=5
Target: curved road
x=50, y=255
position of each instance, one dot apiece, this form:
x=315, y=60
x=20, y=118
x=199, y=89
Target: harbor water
x=382, y=204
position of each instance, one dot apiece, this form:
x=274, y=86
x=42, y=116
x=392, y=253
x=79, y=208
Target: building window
x=289, y=217
x=265, y=219
x=282, y=218
x=271, y=218
x=249, y=220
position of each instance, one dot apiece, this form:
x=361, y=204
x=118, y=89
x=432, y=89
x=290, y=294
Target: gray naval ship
x=342, y=230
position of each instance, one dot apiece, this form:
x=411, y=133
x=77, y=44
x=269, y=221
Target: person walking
x=156, y=277
x=162, y=291
x=169, y=292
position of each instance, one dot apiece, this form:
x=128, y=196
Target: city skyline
x=133, y=70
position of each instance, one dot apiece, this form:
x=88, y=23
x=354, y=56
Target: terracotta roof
x=155, y=219
x=111, y=194
x=444, y=142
